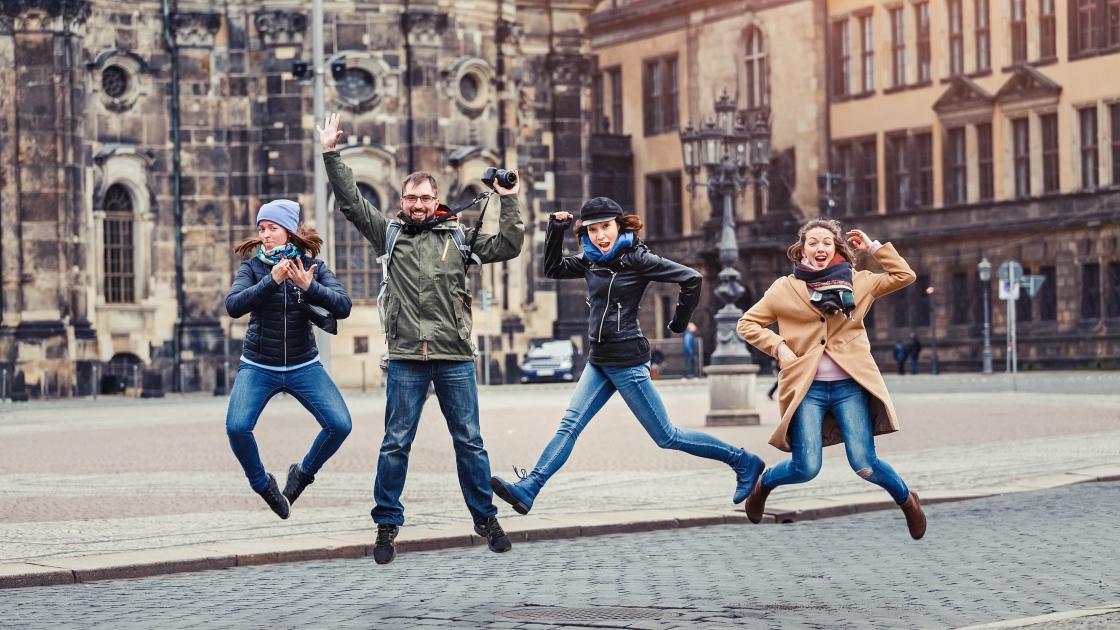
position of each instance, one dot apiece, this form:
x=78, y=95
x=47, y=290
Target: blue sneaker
x=746, y=473
x=520, y=495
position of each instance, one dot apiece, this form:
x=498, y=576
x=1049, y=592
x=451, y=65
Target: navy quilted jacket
x=279, y=331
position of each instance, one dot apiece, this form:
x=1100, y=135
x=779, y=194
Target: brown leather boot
x=915, y=518
x=756, y=501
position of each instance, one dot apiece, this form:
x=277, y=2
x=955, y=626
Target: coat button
x=822, y=319
x=822, y=342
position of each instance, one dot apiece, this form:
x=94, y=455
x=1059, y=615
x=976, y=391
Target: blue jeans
x=849, y=403
x=596, y=385
x=312, y=387
x=406, y=391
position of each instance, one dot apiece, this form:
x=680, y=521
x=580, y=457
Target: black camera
x=508, y=179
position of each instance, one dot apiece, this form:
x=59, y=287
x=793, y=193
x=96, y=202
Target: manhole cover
x=584, y=614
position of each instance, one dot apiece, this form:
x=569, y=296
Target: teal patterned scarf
x=277, y=254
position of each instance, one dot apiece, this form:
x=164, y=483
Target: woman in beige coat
x=830, y=389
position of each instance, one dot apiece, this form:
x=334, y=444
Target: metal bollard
x=4, y=384
x=136, y=381
x=96, y=383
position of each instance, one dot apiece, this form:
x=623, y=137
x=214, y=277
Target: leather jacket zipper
x=619, y=319
x=605, y=307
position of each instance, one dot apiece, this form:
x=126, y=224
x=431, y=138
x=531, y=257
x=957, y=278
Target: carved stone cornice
x=568, y=68
x=39, y=16
x=196, y=29
x=424, y=28
x=280, y=28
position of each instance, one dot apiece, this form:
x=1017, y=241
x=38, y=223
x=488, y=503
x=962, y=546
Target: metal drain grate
x=604, y=613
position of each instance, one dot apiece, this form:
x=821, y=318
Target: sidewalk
x=136, y=488
x=1043, y=559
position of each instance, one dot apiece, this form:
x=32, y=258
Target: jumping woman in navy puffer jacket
x=279, y=352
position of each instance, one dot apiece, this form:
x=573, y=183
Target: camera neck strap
x=470, y=258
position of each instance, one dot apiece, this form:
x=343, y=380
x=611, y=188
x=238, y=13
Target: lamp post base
x=731, y=395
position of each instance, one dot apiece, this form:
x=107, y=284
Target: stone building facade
x=137, y=140
x=957, y=129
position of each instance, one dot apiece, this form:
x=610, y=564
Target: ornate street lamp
x=984, y=270
x=734, y=155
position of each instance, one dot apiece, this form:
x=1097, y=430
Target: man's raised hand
x=330, y=134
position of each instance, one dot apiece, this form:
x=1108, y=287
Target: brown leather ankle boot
x=756, y=501
x=915, y=518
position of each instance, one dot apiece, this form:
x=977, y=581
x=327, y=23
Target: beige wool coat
x=809, y=333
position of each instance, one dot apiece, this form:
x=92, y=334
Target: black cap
x=598, y=210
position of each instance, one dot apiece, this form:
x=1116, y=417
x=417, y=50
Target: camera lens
x=508, y=179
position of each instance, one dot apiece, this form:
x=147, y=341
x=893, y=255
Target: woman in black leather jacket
x=274, y=286
x=617, y=266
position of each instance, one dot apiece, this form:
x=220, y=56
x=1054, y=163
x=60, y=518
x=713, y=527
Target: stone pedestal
x=731, y=395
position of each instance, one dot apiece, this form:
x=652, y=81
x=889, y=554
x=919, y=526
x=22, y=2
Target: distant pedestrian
x=831, y=390
x=901, y=351
x=777, y=379
x=656, y=358
x=914, y=348
x=279, y=352
x=617, y=267
x=691, y=360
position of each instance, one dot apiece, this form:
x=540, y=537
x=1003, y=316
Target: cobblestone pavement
x=84, y=477
x=982, y=561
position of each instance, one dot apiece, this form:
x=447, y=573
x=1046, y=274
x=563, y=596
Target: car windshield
x=551, y=349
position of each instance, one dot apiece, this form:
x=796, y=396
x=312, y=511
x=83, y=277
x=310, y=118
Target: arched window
x=120, y=268
x=355, y=262
x=758, y=92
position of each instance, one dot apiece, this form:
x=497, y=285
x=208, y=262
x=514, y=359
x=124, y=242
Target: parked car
x=549, y=360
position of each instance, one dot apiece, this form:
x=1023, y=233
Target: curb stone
x=201, y=557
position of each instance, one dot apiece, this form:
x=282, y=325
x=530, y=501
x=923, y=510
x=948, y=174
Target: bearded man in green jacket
x=427, y=320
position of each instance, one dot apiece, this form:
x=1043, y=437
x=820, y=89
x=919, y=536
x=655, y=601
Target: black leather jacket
x=279, y=331
x=615, y=288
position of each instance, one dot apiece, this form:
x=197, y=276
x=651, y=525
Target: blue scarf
x=274, y=256
x=624, y=240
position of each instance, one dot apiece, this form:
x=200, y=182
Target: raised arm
x=370, y=221
x=896, y=273
x=556, y=265
x=506, y=244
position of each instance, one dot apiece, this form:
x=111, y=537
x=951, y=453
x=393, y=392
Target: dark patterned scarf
x=831, y=287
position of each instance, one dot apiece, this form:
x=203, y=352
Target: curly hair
x=796, y=251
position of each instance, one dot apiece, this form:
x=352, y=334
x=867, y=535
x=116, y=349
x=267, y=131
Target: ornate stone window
x=469, y=83
x=114, y=81
x=355, y=262
x=362, y=82
x=758, y=92
x=119, y=77
x=120, y=273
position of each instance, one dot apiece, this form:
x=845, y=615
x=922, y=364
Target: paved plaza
x=982, y=561
x=117, y=475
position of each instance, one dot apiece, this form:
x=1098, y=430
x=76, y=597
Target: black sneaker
x=383, y=549
x=496, y=539
x=275, y=499
x=297, y=481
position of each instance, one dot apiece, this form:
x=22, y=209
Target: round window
x=357, y=84
x=469, y=87
x=114, y=81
